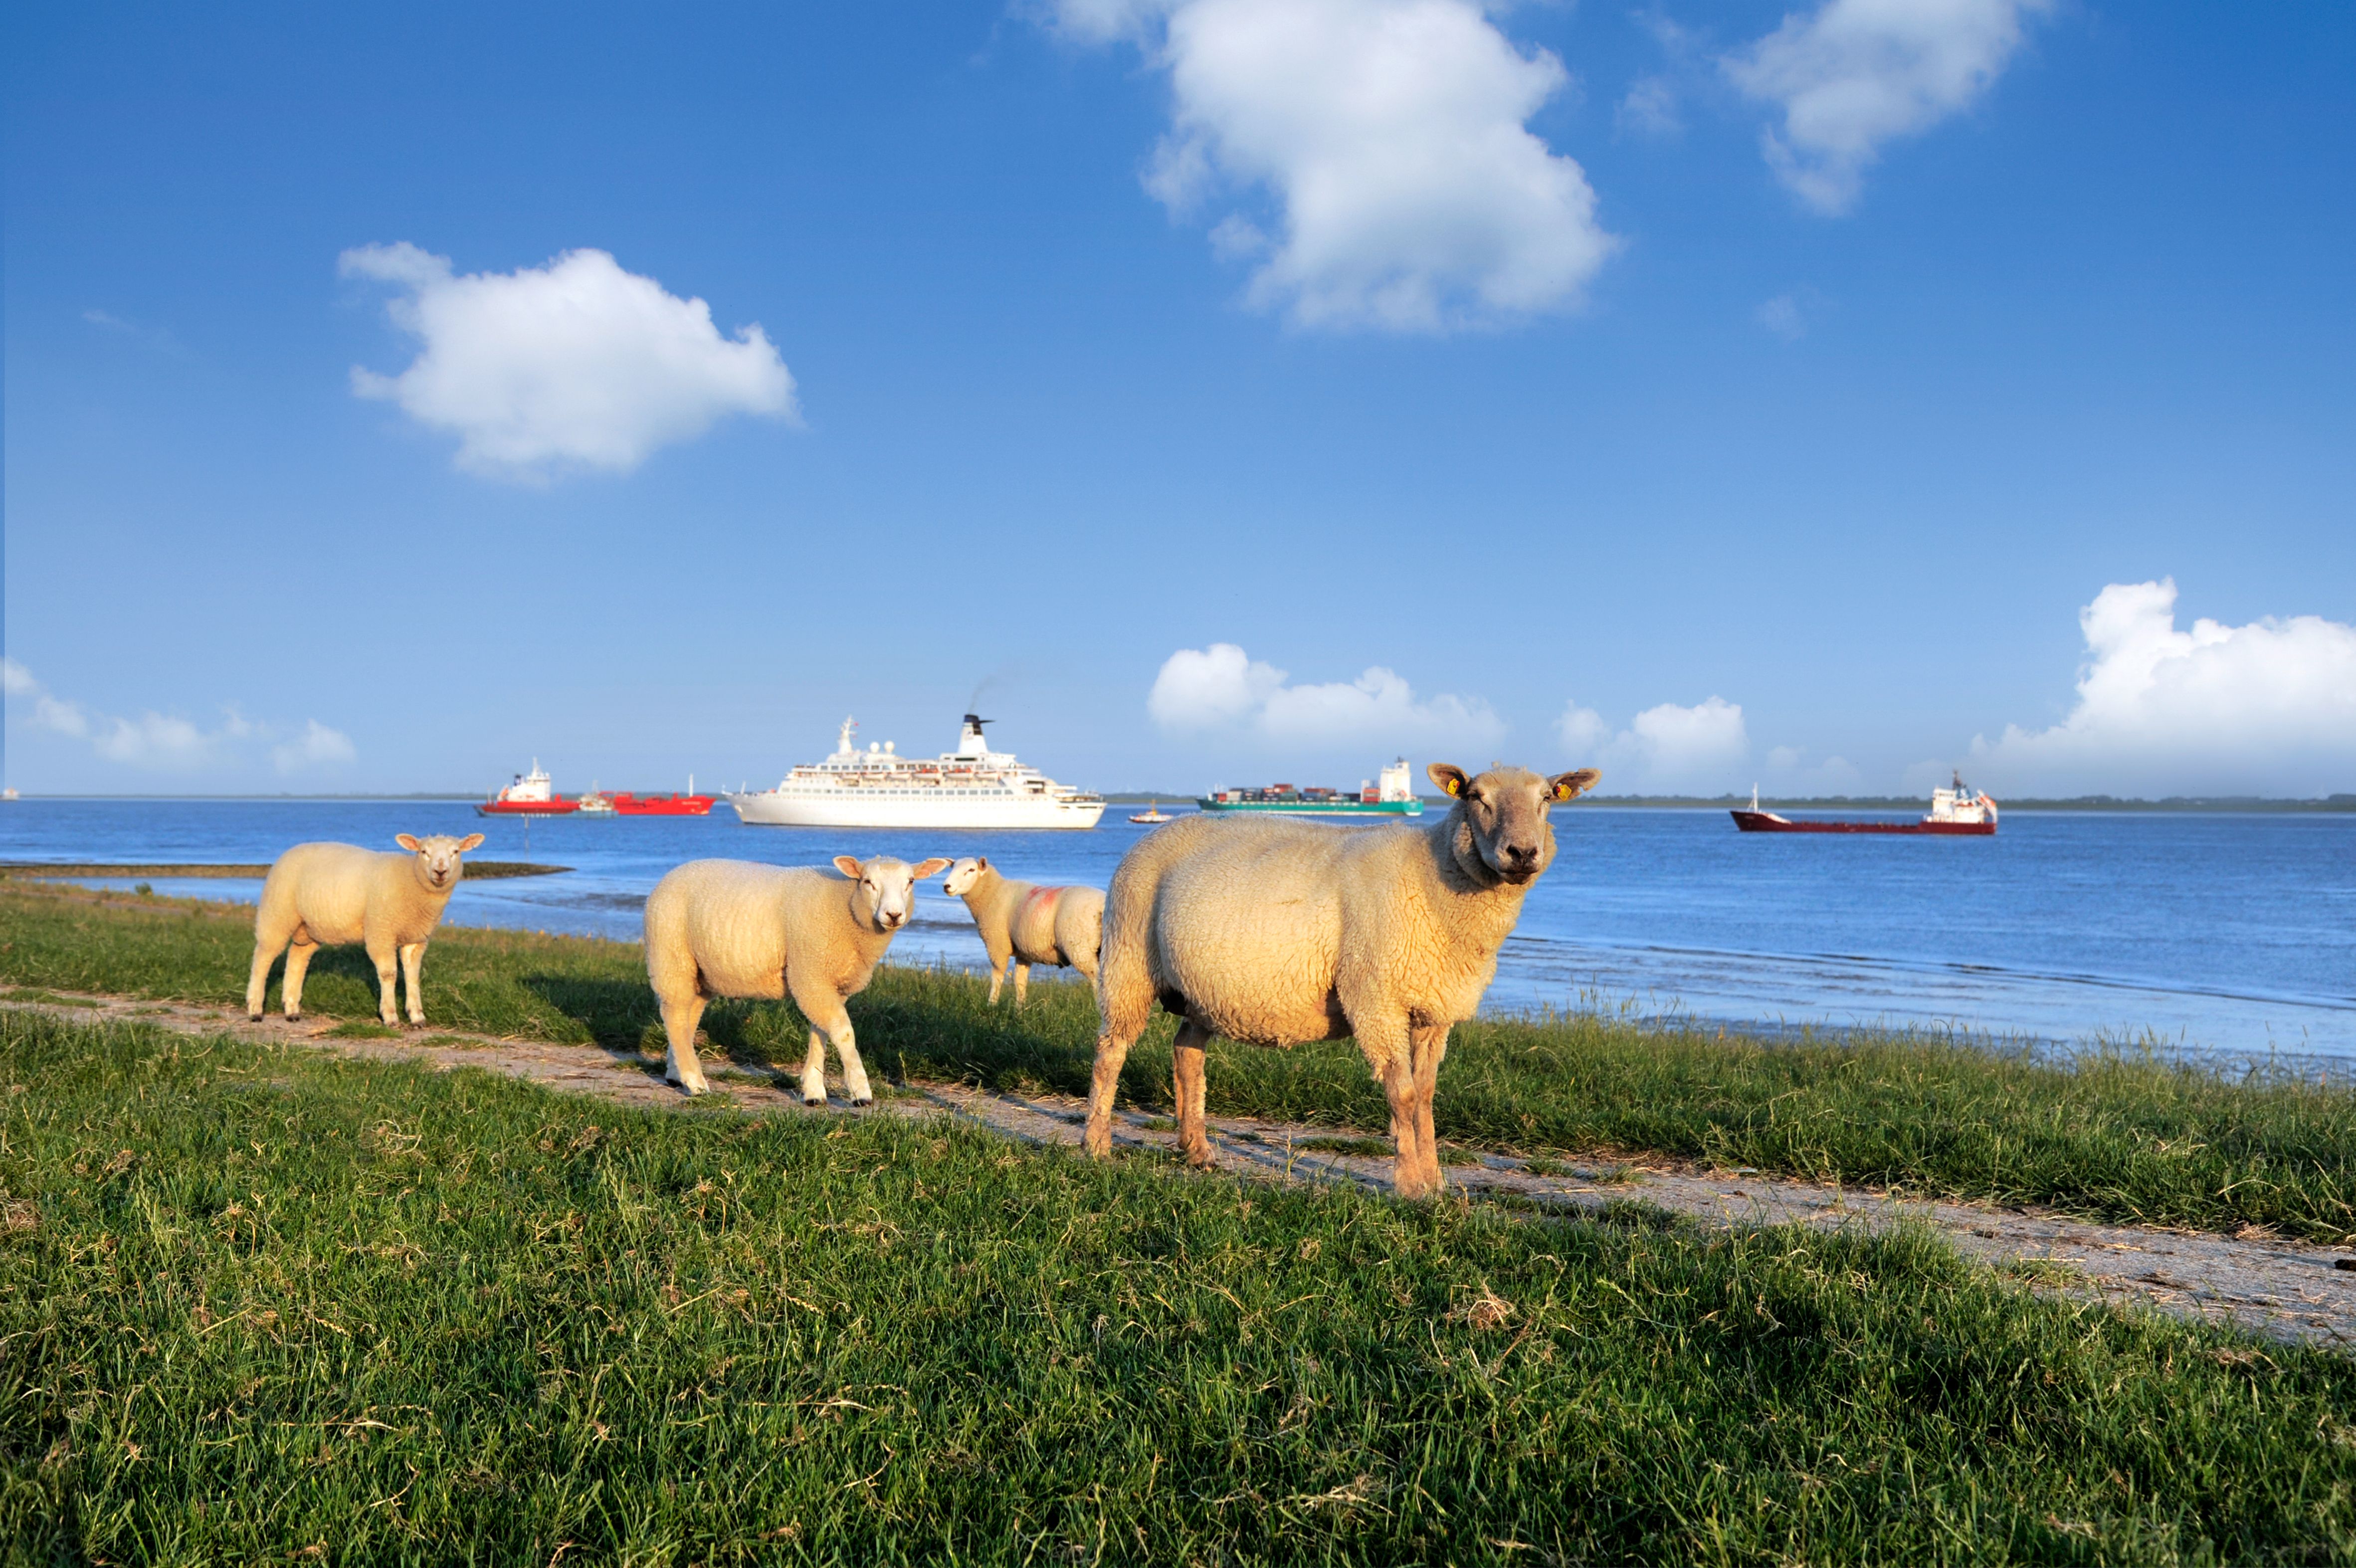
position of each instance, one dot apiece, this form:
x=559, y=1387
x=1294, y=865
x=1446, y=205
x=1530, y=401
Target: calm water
x=2234, y=934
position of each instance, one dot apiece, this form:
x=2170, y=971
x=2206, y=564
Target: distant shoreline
x=2226, y=804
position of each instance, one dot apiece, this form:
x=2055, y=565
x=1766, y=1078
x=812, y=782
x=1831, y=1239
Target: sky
x=1824, y=396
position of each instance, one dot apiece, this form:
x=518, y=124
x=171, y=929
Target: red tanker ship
x=688, y=805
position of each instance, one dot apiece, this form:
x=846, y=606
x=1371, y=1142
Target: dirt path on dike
x=2285, y=1290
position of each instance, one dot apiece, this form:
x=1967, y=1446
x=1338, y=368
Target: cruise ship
x=972, y=787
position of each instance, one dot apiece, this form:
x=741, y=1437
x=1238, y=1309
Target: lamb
x=1028, y=923
x=733, y=928
x=318, y=895
x=1271, y=931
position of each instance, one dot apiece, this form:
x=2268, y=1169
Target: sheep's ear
x=1571, y=786
x=472, y=841
x=924, y=868
x=407, y=841
x=980, y=863
x=1449, y=777
x=849, y=866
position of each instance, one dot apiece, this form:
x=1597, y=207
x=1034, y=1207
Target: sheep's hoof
x=864, y=1100
x=692, y=1089
x=813, y=1100
x=1203, y=1159
x=294, y=1017
x=253, y=1017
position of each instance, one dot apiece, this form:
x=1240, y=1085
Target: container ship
x=972, y=787
x=1957, y=812
x=1391, y=796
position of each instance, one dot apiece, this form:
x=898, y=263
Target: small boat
x=594, y=804
x=1955, y=813
x=1152, y=814
x=532, y=795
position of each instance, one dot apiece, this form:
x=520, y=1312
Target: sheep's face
x=963, y=875
x=1501, y=818
x=883, y=890
x=437, y=857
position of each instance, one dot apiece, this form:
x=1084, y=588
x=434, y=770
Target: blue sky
x=1823, y=395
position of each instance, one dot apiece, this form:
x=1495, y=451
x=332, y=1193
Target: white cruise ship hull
x=858, y=808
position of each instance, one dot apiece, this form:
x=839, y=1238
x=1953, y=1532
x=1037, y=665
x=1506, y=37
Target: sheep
x=1271, y=931
x=317, y=895
x=1029, y=923
x=735, y=928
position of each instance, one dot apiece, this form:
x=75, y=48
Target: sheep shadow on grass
x=617, y=1014
x=340, y=983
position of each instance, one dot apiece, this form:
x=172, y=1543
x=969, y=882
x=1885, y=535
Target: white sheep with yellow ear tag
x=1271, y=931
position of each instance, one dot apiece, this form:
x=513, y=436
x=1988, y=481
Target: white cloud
x=1410, y=194
x=1670, y=747
x=1222, y=688
x=577, y=364
x=1854, y=74
x=168, y=743
x=1789, y=772
x=1782, y=315
x=317, y=745
x=2266, y=708
x=1649, y=109
x=1203, y=688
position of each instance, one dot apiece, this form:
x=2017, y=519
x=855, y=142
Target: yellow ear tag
x=1456, y=786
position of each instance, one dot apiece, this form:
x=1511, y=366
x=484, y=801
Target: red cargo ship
x=1957, y=812
x=532, y=795
x=688, y=805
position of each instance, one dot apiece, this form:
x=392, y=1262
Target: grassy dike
x=2113, y=1136
x=259, y=1305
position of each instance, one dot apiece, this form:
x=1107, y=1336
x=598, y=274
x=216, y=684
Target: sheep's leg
x=681, y=1066
x=1186, y=1073
x=412, y=958
x=996, y=975
x=1388, y=1050
x=298, y=964
x=1112, y=1051
x=257, y=984
x=1022, y=983
x=814, y=1071
x=387, y=959
x=833, y=1025
x=1430, y=1045
x=1408, y=1177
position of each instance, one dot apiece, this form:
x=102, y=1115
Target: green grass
x=364, y=1030
x=2112, y=1136
x=259, y=1305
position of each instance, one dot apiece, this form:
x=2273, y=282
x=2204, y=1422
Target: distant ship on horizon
x=1392, y=796
x=972, y=787
x=533, y=794
x=1957, y=812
